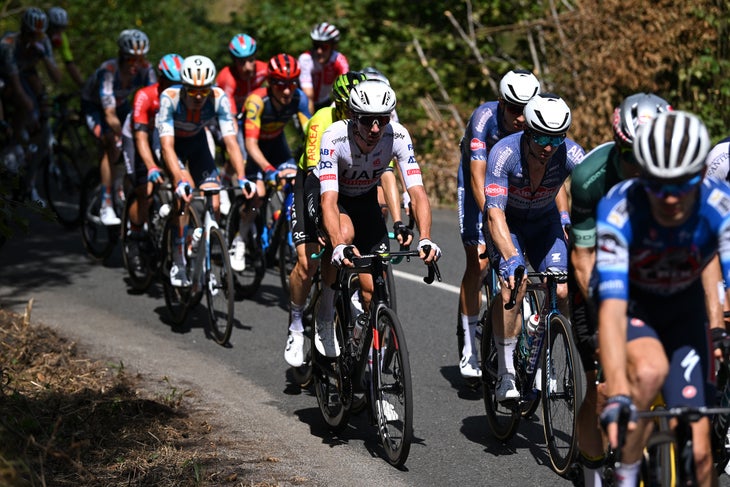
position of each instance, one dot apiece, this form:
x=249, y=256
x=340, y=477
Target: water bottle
x=532, y=324
x=195, y=242
x=164, y=210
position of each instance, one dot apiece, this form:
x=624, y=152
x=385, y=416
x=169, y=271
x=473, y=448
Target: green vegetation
x=445, y=57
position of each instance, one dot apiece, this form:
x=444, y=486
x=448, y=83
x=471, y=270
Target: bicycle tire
x=247, y=281
x=63, y=182
x=531, y=300
x=178, y=300
x=392, y=385
x=99, y=239
x=303, y=374
x=659, y=463
x=146, y=247
x=329, y=377
x=487, y=298
x=219, y=291
x=390, y=287
x=503, y=419
x=562, y=389
x=287, y=256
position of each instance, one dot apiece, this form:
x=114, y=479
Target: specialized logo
x=688, y=364
x=494, y=190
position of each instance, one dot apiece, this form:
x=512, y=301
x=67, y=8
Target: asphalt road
x=248, y=380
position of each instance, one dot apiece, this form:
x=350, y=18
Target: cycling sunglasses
x=662, y=190
x=551, y=140
x=194, y=92
x=515, y=110
x=369, y=120
x=292, y=85
x=321, y=45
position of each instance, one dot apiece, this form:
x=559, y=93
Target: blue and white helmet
x=242, y=46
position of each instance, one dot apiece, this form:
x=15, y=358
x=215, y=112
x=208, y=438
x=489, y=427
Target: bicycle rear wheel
x=247, y=281
x=392, y=387
x=177, y=299
x=303, y=374
x=660, y=463
x=503, y=419
x=219, y=290
x=562, y=389
x=99, y=239
x=63, y=182
x=145, y=247
x=490, y=282
x=333, y=385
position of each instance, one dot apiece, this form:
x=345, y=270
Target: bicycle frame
x=202, y=259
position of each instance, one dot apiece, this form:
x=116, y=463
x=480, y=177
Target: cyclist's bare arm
x=500, y=234
x=234, y=153
x=713, y=284
x=391, y=194
x=478, y=172
x=167, y=144
x=142, y=146
x=421, y=210
x=310, y=94
x=583, y=259
x=110, y=114
x=53, y=72
x=561, y=199
x=331, y=218
x=255, y=153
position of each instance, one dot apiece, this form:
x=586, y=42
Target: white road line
x=414, y=278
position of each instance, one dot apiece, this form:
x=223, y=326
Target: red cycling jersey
x=146, y=105
x=238, y=89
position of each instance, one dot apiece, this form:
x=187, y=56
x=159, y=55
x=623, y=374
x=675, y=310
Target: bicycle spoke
x=219, y=288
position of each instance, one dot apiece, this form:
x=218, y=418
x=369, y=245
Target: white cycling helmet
x=636, y=110
x=373, y=73
x=58, y=17
x=325, y=32
x=198, y=71
x=372, y=97
x=672, y=145
x=518, y=87
x=133, y=42
x=548, y=114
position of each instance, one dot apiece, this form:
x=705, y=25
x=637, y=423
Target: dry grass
x=66, y=419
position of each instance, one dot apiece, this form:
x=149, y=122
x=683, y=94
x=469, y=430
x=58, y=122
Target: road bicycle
x=277, y=241
x=68, y=158
x=148, y=240
x=373, y=369
x=99, y=239
x=208, y=267
x=248, y=280
x=547, y=368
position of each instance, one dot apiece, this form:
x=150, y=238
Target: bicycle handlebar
x=519, y=275
x=365, y=261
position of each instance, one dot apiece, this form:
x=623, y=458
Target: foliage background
x=445, y=57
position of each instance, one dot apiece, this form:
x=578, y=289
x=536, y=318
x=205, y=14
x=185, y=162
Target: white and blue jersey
x=482, y=132
x=657, y=270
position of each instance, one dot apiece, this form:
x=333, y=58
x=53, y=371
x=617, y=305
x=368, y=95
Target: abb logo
x=493, y=190
x=477, y=144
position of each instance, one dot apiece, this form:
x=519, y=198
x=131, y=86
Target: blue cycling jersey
x=508, y=187
x=635, y=252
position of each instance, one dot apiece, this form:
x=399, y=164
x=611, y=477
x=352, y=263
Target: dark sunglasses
x=551, y=140
x=292, y=85
x=320, y=45
x=369, y=120
x=194, y=92
x=513, y=109
x=244, y=60
x=662, y=190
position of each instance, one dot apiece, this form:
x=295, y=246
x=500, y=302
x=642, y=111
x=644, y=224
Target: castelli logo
x=688, y=392
x=477, y=144
x=493, y=190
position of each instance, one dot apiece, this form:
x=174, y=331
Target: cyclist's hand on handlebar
x=507, y=269
x=342, y=255
x=618, y=409
x=248, y=188
x=720, y=342
x=430, y=252
x=270, y=174
x=154, y=175
x=565, y=223
x=402, y=233
x=183, y=191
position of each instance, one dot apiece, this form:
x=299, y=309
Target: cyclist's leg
x=506, y=326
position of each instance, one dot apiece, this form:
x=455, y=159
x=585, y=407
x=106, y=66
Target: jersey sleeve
x=613, y=242
x=65, y=50
x=496, y=181
x=226, y=82
x=583, y=208
x=328, y=169
x=254, y=109
x=315, y=128
x=718, y=160
x=226, y=120
x=476, y=134
x=403, y=153
x=306, y=64
x=165, y=117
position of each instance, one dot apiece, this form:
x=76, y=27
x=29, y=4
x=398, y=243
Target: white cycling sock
x=505, y=357
x=296, y=317
x=627, y=474
x=469, y=325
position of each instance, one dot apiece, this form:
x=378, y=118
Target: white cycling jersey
x=343, y=167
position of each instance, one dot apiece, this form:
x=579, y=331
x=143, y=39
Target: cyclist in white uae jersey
x=354, y=154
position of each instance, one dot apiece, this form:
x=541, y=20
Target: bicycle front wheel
x=140, y=245
x=562, y=384
x=503, y=419
x=287, y=256
x=177, y=299
x=63, y=184
x=247, y=281
x=333, y=385
x=99, y=239
x=219, y=290
x=392, y=387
